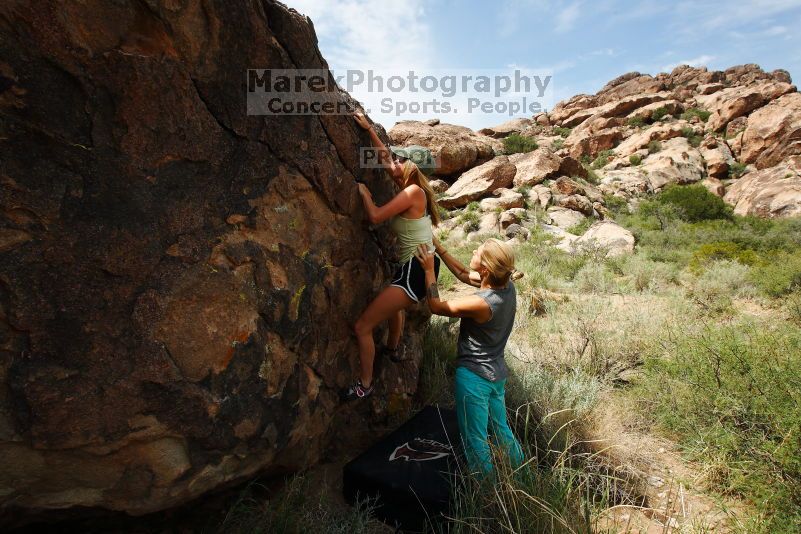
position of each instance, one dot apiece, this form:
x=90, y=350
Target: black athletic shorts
x=411, y=278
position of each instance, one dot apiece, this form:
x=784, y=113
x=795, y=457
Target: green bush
x=615, y=204
x=736, y=169
x=635, y=159
x=592, y=176
x=564, y=132
x=722, y=250
x=602, y=159
x=558, y=144
x=693, y=138
x=654, y=147
x=696, y=112
x=581, y=227
x=517, y=143
x=779, y=275
x=694, y=203
x=473, y=206
x=658, y=113
x=635, y=121
x=524, y=190
x=470, y=220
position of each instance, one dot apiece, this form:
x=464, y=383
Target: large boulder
x=773, y=132
x=564, y=217
x=455, y=148
x=771, y=192
x=514, y=126
x=534, y=167
x=479, y=182
x=178, y=279
x=615, y=239
x=504, y=199
x=738, y=101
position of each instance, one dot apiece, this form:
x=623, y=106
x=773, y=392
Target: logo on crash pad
x=420, y=450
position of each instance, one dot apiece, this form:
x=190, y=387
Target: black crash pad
x=408, y=475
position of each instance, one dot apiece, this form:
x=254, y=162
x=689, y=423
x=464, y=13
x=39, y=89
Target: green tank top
x=412, y=232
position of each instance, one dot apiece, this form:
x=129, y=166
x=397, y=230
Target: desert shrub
x=470, y=220
x=696, y=112
x=595, y=278
x=658, y=113
x=592, y=176
x=654, y=147
x=694, y=203
x=722, y=250
x=516, y=143
x=644, y=274
x=693, y=138
x=736, y=169
x=473, y=206
x=564, y=132
x=635, y=159
x=779, y=275
x=602, y=159
x=558, y=144
x=719, y=282
x=635, y=121
x=615, y=204
x=581, y=227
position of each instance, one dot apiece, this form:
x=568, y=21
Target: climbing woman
x=487, y=318
x=412, y=212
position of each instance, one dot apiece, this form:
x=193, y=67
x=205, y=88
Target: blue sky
x=582, y=43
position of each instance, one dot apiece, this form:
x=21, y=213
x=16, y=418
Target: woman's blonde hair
x=499, y=259
x=413, y=175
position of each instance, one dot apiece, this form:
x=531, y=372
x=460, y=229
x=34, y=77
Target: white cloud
x=370, y=33
x=700, y=61
x=566, y=18
x=381, y=35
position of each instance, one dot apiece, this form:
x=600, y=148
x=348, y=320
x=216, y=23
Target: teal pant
x=480, y=406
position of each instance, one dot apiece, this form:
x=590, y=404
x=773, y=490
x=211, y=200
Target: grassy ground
x=695, y=336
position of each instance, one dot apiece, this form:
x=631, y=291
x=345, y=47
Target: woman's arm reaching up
x=384, y=155
x=473, y=306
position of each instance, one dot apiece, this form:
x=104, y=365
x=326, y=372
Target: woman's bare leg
x=395, y=329
x=386, y=305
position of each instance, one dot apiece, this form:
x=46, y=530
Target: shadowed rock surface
x=178, y=279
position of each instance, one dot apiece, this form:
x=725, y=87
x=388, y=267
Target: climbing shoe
x=356, y=391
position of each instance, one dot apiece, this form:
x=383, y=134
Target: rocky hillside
x=737, y=132
x=178, y=280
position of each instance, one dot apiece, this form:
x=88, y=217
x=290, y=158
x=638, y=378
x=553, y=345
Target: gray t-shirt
x=480, y=346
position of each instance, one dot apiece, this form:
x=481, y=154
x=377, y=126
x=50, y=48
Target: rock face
x=773, y=132
x=178, y=279
x=534, y=167
x=772, y=192
x=478, y=182
x=455, y=148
